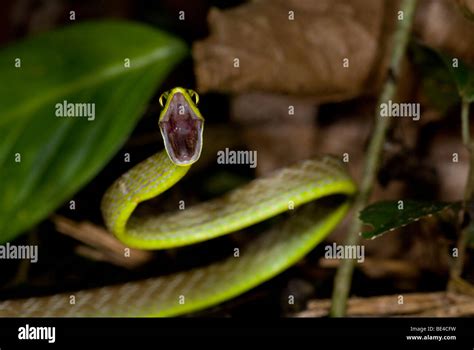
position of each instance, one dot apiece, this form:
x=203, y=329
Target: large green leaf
x=83, y=63
x=389, y=215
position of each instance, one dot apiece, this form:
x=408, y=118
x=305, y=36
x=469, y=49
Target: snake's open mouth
x=181, y=129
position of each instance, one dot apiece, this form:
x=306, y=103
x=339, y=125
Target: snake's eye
x=194, y=95
x=163, y=98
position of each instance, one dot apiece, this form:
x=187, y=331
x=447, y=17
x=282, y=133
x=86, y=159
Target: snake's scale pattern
x=264, y=257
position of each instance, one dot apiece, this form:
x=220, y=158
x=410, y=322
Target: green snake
x=265, y=256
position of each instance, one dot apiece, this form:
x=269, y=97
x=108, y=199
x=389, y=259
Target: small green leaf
x=45, y=159
x=463, y=76
x=436, y=80
x=388, y=215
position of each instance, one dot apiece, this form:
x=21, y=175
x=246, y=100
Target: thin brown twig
x=105, y=246
x=436, y=304
x=458, y=263
x=343, y=277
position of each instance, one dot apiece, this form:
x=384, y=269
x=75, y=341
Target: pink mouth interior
x=181, y=130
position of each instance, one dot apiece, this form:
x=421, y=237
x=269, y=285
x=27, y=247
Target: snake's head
x=181, y=125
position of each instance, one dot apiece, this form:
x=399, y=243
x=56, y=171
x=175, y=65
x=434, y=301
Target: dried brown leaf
x=441, y=25
x=303, y=56
x=467, y=8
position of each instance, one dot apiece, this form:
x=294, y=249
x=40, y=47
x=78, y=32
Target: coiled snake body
x=264, y=257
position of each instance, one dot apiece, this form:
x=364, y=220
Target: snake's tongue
x=181, y=130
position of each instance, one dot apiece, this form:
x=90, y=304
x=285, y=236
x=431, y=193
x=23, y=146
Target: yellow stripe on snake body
x=181, y=126
x=264, y=257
